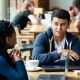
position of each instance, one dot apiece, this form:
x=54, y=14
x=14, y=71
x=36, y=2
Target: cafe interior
x=27, y=36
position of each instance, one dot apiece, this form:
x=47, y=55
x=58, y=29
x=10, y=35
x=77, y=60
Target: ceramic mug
x=32, y=64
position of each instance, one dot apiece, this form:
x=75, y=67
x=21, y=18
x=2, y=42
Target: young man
x=55, y=43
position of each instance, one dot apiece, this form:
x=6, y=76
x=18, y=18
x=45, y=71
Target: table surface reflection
x=70, y=76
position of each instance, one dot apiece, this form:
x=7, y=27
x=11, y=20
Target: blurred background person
x=25, y=15
x=11, y=64
x=74, y=11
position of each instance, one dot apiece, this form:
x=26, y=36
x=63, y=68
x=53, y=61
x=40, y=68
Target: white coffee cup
x=32, y=64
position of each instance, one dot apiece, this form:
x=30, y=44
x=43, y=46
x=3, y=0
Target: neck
x=58, y=39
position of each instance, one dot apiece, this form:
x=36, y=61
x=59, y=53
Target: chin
x=58, y=35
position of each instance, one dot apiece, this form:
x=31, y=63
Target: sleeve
x=76, y=45
x=41, y=51
x=11, y=73
x=75, y=48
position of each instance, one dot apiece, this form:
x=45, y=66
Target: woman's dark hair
x=60, y=13
x=76, y=3
x=6, y=30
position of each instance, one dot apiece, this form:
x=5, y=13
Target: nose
x=59, y=27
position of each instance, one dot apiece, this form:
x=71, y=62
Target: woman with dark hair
x=25, y=15
x=11, y=66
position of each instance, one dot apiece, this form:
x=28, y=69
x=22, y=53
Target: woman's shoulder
x=2, y=58
x=2, y=61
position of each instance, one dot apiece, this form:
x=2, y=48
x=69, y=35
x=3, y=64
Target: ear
x=7, y=40
x=69, y=24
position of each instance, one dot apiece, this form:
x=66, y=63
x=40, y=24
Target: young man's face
x=59, y=26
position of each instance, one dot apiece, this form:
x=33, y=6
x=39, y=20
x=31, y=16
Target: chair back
x=18, y=30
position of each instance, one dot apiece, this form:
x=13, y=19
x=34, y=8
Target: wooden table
x=35, y=75
x=36, y=29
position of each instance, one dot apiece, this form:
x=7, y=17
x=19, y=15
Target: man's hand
x=69, y=53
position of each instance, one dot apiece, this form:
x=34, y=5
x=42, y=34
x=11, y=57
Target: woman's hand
x=69, y=53
x=16, y=55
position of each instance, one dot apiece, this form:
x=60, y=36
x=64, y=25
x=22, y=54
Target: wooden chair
x=23, y=37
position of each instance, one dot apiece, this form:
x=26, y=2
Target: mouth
x=58, y=32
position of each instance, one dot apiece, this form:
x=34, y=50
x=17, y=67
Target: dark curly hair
x=6, y=29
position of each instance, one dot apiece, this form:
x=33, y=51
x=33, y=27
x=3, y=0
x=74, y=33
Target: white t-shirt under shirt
x=61, y=46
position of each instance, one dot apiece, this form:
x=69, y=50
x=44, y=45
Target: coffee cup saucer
x=37, y=69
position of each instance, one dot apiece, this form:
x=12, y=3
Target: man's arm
x=42, y=52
